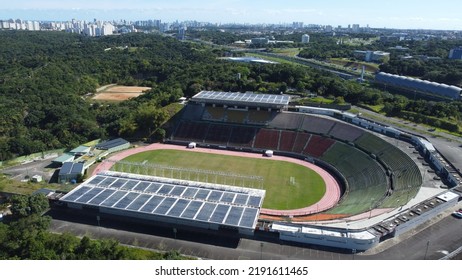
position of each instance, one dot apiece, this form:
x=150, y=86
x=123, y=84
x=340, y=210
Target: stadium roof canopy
x=148, y=197
x=242, y=99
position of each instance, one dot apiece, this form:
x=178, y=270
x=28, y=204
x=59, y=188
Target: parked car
x=457, y=214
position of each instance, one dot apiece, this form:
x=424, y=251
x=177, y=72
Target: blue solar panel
x=124, y=202
x=178, y=208
x=101, y=197
x=206, y=211
x=215, y=196
x=107, y=182
x=119, y=183
x=129, y=185
x=141, y=186
x=154, y=187
x=77, y=193
x=227, y=197
x=140, y=201
x=89, y=195
x=234, y=216
x=202, y=194
x=113, y=198
x=152, y=204
x=165, y=205
x=248, y=217
x=190, y=192
x=254, y=201
x=96, y=180
x=178, y=190
x=192, y=209
x=165, y=189
x=220, y=213
x=241, y=199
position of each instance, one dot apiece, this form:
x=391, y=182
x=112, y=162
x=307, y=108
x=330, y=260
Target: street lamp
x=261, y=250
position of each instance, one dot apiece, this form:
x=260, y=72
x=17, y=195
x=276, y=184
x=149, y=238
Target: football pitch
x=288, y=185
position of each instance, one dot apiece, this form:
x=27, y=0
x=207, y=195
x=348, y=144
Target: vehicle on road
x=457, y=214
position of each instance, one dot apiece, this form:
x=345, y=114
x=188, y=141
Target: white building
x=305, y=39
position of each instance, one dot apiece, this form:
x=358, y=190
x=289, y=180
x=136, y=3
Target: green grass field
x=307, y=189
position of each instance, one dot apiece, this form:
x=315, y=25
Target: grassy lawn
x=287, y=51
x=308, y=188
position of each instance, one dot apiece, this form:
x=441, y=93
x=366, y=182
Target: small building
x=59, y=161
x=71, y=172
x=80, y=151
x=305, y=39
x=113, y=145
x=455, y=53
x=374, y=56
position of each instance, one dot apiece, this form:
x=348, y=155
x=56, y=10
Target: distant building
x=113, y=145
x=305, y=39
x=297, y=25
x=260, y=41
x=372, y=56
x=455, y=53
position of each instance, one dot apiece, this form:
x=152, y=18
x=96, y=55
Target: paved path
x=330, y=198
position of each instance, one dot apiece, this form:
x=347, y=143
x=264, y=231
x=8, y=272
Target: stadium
x=360, y=182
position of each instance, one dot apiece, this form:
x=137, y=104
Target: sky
x=404, y=14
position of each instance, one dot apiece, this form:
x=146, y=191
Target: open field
x=307, y=187
x=119, y=93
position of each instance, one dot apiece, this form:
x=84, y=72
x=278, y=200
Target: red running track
x=330, y=198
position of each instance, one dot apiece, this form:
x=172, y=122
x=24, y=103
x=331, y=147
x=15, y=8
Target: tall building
x=455, y=53
x=305, y=38
x=297, y=25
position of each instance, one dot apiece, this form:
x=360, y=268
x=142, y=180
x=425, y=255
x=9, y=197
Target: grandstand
x=374, y=171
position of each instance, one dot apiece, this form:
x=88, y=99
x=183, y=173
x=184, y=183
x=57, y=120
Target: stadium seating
x=287, y=121
x=345, y=132
x=259, y=117
x=317, y=125
x=317, y=146
x=367, y=181
x=214, y=114
x=218, y=134
x=236, y=116
x=300, y=142
x=242, y=136
x=267, y=139
x=287, y=141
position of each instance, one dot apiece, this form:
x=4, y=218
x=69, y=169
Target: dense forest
x=45, y=78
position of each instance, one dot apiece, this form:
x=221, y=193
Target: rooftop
x=242, y=99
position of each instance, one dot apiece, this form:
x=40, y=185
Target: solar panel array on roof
x=227, y=206
x=71, y=168
x=111, y=144
x=241, y=98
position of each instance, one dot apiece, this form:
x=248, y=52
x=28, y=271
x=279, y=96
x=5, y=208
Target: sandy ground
x=120, y=93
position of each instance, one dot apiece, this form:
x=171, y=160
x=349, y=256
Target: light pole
x=426, y=250
x=261, y=250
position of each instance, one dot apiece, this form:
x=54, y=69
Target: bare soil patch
x=120, y=93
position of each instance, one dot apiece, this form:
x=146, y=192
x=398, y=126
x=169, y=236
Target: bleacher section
x=367, y=181
x=317, y=146
x=242, y=136
x=236, y=116
x=287, y=121
x=267, y=139
x=317, y=125
x=214, y=114
x=287, y=140
x=218, y=134
x=192, y=112
x=259, y=117
x=345, y=132
x=405, y=173
x=300, y=142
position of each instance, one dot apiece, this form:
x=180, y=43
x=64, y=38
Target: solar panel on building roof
x=138, y=202
x=220, y=213
x=131, y=193
x=111, y=144
x=66, y=168
x=241, y=97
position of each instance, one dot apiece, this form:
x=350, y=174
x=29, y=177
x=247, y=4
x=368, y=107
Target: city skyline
x=411, y=14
